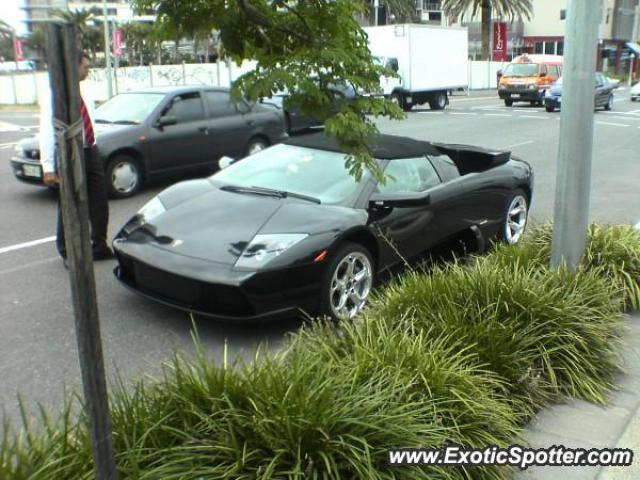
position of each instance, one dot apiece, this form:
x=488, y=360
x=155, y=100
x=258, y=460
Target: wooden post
x=62, y=58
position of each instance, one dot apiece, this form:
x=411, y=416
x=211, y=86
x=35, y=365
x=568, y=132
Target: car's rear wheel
x=439, y=102
x=255, y=145
x=515, y=218
x=348, y=282
x=508, y=103
x=124, y=176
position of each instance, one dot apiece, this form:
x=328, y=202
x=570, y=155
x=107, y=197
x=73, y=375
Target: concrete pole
x=571, y=215
x=107, y=49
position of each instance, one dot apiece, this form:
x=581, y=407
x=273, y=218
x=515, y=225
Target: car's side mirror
x=405, y=200
x=166, y=120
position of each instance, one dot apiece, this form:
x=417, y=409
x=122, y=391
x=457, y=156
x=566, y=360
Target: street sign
x=17, y=50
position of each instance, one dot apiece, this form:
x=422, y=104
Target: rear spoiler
x=469, y=158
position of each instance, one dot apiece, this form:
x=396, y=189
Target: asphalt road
x=38, y=355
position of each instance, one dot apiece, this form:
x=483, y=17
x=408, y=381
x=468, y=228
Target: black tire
x=508, y=103
x=609, y=105
x=124, y=176
x=439, y=102
x=328, y=299
x=254, y=145
x=509, y=233
x=400, y=100
x=550, y=108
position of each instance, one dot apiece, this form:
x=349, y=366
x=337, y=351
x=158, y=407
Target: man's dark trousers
x=98, y=204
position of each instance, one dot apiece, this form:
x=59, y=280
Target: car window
x=220, y=104
x=553, y=71
x=599, y=80
x=409, y=175
x=186, y=107
x=543, y=70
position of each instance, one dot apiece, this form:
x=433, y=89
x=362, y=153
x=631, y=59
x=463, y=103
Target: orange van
x=528, y=77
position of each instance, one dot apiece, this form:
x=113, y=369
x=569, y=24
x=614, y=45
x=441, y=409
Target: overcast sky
x=13, y=14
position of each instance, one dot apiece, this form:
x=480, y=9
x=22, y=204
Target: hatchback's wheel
x=124, y=177
x=515, y=219
x=255, y=145
x=439, y=102
x=609, y=104
x=348, y=282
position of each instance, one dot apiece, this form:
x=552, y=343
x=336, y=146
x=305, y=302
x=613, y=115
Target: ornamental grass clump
x=612, y=250
x=545, y=333
x=279, y=418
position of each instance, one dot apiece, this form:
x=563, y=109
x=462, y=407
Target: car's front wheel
x=124, y=176
x=609, y=104
x=550, y=108
x=348, y=282
x=508, y=103
x=255, y=145
x=515, y=219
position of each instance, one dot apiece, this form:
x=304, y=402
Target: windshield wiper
x=269, y=192
x=126, y=122
x=102, y=120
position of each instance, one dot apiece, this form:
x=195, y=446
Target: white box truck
x=430, y=60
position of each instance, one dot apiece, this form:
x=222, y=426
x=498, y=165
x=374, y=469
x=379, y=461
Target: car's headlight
x=152, y=209
x=502, y=87
x=533, y=86
x=264, y=248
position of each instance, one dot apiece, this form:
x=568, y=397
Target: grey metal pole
x=376, y=5
x=107, y=49
x=571, y=215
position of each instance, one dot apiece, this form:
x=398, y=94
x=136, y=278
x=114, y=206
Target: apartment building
x=121, y=11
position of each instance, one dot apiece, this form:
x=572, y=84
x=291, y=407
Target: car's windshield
x=128, y=108
x=521, y=70
x=306, y=171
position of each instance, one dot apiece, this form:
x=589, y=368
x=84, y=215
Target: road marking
x=531, y=116
x=8, y=144
x=20, y=246
x=463, y=113
x=497, y=115
x=5, y=147
x=470, y=99
x=613, y=124
x=528, y=142
x=12, y=127
x=526, y=110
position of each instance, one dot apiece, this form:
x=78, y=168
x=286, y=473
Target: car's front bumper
x=27, y=170
x=519, y=95
x=216, y=290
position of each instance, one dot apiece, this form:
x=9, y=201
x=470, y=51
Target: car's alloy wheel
x=350, y=281
x=255, y=145
x=124, y=176
x=515, y=220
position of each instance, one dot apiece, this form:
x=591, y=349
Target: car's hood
x=30, y=143
x=636, y=88
x=218, y=225
x=106, y=129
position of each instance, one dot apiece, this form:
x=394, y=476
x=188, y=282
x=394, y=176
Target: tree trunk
x=485, y=53
x=175, y=53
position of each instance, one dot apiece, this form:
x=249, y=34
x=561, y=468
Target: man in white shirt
x=94, y=170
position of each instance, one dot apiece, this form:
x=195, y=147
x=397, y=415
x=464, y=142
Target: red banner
x=17, y=50
x=500, y=41
x=117, y=43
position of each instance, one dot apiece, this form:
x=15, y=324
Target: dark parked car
x=288, y=229
x=603, y=94
x=296, y=120
x=167, y=130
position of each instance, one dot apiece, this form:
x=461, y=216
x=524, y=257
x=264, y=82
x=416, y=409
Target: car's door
x=229, y=124
x=404, y=231
x=183, y=141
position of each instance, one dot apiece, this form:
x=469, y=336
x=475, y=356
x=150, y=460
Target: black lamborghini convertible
x=288, y=229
